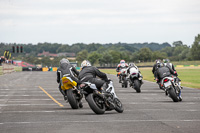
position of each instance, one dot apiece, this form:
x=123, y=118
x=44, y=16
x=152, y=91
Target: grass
x=174, y=62
x=190, y=76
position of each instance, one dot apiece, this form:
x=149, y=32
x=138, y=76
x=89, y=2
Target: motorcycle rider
x=131, y=65
x=66, y=69
x=90, y=73
x=167, y=63
x=120, y=66
x=155, y=67
x=163, y=71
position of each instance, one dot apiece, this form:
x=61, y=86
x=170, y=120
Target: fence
x=8, y=68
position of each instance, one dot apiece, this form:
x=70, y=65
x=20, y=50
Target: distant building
x=47, y=54
x=67, y=54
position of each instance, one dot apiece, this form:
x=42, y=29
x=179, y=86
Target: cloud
x=99, y=15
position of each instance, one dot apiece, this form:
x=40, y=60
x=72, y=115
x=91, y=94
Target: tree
x=145, y=54
x=177, y=43
x=195, y=50
x=159, y=55
x=93, y=57
x=115, y=55
x=106, y=58
x=83, y=55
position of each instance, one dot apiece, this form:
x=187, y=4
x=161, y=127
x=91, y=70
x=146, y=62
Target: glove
x=107, y=80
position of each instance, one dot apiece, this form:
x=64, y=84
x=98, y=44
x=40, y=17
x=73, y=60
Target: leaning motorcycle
x=100, y=102
x=172, y=87
x=123, y=74
x=72, y=92
x=135, y=79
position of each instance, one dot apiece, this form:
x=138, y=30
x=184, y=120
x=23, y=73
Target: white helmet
x=64, y=61
x=85, y=63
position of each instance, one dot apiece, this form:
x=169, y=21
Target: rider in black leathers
x=66, y=69
x=90, y=74
x=155, y=67
x=163, y=71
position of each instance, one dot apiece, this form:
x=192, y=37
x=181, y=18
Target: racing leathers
x=118, y=69
x=155, y=67
x=162, y=72
x=90, y=74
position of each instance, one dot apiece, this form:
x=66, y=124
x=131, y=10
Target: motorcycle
x=123, y=74
x=135, y=79
x=172, y=87
x=72, y=92
x=100, y=102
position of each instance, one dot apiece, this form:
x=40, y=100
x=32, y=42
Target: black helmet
x=160, y=64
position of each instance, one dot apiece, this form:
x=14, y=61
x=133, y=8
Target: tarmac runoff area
x=30, y=102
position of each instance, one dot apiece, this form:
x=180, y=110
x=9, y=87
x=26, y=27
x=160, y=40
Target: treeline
x=108, y=54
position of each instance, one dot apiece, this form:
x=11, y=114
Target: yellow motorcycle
x=72, y=92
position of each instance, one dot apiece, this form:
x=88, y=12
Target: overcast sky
x=99, y=21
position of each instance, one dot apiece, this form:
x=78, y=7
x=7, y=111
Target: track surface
x=25, y=108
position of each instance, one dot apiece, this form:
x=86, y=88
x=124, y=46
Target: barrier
x=7, y=68
x=55, y=69
x=187, y=65
x=45, y=69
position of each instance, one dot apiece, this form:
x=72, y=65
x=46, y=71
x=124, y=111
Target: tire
x=137, y=85
x=172, y=94
x=72, y=99
x=98, y=108
x=122, y=85
x=125, y=83
x=118, y=105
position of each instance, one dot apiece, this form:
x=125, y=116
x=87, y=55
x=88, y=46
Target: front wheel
x=118, y=105
x=137, y=85
x=96, y=103
x=172, y=94
x=72, y=99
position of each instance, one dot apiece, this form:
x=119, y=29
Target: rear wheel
x=96, y=103
x=118, y=105
x=72, y=99
x=137, y=85
x=172, y=94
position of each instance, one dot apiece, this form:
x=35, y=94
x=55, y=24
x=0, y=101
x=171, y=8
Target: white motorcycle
x=100, y=101
x=123, y=74
x=172, y=87
x=135, y=79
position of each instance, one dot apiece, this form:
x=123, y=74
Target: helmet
x=64, y=61
x=122, y=61
x=131, y=64
x=158, y=61
x=160, y=64
x=166, y=60
x=85, y=63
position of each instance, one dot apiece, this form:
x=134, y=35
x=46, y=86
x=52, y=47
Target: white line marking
x=26, y=95
x=107, y=121
x=27, y=104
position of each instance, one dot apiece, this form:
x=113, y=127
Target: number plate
x=167, y=84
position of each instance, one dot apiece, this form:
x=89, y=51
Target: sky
x=99, y=21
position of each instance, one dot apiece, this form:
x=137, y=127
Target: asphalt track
x=30, y=102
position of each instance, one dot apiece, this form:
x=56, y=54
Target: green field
x=190, y=76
